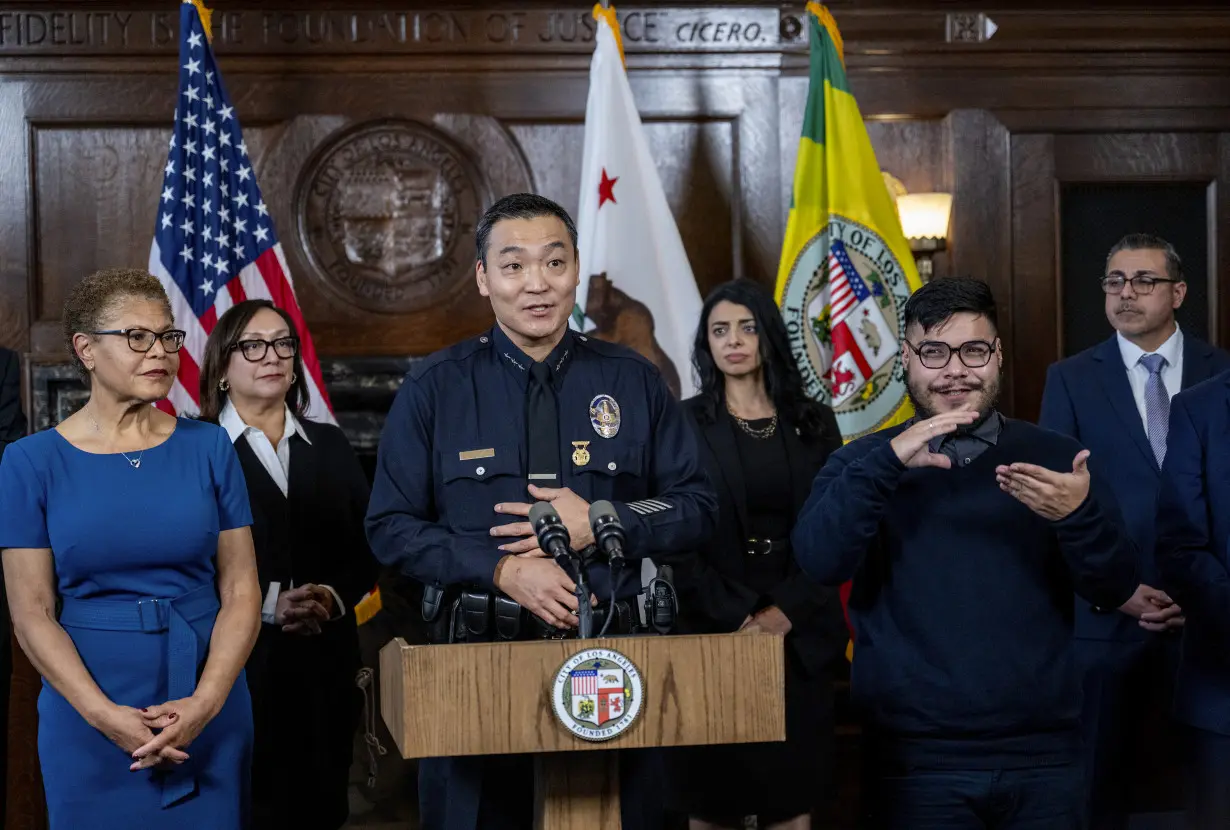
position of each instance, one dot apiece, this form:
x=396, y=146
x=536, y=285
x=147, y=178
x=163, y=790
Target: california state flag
x=636, y=285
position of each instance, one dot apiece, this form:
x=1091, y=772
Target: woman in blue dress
x=138, y=523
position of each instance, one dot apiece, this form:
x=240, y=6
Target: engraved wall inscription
x=253, y=31
x=386, y=215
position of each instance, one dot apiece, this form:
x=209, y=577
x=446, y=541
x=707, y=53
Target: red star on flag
x=606, y=189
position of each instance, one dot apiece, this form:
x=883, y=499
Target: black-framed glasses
x=936, y=354
x=254, y=350
x=1141, y=284
x=142, y=340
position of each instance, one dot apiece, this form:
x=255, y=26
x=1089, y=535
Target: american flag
x=846, y=287
x=214, y=244
x=585, y=682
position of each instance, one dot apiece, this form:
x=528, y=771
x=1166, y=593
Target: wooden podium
x=497, y=698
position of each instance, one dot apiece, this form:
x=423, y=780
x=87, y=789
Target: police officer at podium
x=530, y=411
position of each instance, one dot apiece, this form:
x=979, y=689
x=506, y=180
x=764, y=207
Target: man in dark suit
x=1114, y=399
x=1193, y=530
x=12, y=427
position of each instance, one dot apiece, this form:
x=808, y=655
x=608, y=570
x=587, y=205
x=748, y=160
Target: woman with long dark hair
x=763, y=441
x=309, y=497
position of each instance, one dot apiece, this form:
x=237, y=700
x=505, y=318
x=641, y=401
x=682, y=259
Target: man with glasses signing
x=1115, y=399
x=965, y=533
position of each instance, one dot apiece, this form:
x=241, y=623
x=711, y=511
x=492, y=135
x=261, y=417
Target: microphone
x=549, y=528
x=608, y=532
x=609, y=536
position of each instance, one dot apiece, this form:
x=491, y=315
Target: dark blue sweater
x=962, y=598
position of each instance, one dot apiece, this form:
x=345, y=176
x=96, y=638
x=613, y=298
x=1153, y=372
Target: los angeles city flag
x=846, y=268
x=636, y=285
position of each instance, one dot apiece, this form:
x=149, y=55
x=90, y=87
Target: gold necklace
x=762, y=432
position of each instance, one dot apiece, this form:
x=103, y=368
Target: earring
x=293, y=377
x=224, y=384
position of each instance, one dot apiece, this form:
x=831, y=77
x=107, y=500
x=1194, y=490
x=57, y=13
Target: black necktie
x=542, y=428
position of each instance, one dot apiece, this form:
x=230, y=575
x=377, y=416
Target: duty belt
x=479, y=616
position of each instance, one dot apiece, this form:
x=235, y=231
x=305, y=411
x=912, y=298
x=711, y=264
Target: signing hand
x=769, y=621
x=180, y=721
x=911, y=445
x=299, y=610
x=1051, y=495
x=541, y=586
x=573, y=512
x=126, y=728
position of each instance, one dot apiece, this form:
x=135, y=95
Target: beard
x=924, y=397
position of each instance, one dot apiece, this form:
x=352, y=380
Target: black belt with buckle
x=763, y=547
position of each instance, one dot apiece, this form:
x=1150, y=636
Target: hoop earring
x=224, y=385
x=293, y=378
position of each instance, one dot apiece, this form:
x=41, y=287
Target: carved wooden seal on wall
x=386, y=215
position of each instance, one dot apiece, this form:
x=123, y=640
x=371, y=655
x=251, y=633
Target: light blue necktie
x=1157, y=405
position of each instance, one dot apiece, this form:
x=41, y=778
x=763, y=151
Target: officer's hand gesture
x=911, y=445
x=541, y=586
x=1050, y=494
x=573, y=512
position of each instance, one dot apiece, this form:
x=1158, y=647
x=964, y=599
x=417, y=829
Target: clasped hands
x=157, y=736
x=1050, y=494
x=301, y=610
x=531, y=577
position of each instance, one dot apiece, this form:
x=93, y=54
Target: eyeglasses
x=254, y=350
x=142, y=340
x=936, y=354
x=1140, y=285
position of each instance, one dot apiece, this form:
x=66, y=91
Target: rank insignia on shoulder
x=604, y=415
x=580, y=455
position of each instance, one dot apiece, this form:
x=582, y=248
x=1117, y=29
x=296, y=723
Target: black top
x=962, y=595
x=767, y=479
x=312, y=534
x=770, y=503
x=759, y=482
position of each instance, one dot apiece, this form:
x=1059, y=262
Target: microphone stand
x=585, y=611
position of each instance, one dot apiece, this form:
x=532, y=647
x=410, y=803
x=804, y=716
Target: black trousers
x=1126, y=726
x=1031, y=798
x=490, y=792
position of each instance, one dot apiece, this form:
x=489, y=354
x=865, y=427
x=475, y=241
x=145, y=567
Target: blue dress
x=120, y=535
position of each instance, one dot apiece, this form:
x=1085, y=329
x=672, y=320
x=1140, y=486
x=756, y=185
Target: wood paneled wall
x=495, y=93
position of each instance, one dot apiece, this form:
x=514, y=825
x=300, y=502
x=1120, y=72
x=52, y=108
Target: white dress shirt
x=1138, y=375
x=277, y=463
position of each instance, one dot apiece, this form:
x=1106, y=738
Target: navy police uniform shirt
x=454, y=446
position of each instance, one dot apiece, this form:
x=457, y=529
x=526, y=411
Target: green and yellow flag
x=846, y=268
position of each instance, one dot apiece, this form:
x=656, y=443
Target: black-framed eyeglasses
x=1142, y=285
x=936, y=354
x=254, y=350
x=142, y=340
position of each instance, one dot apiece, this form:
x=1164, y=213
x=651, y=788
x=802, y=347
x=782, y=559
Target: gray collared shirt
x=966, y=444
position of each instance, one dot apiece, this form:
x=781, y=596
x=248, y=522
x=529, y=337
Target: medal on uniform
x=604, y=415
x=580, y=455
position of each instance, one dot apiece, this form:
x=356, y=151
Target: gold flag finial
x=607, y=13
x=205, y=15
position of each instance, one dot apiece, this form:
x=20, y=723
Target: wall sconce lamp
x=924, y=219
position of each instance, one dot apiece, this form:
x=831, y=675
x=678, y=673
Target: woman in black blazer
x=763, y=441
x=309, y=498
